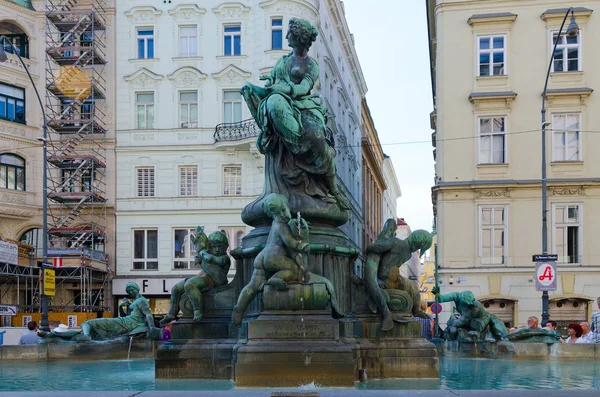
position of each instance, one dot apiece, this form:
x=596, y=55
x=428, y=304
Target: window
x=566, y=141
x=72, y=181
x=34, y=237
x=185, y=251
x=67, y=41
x=12, y=103
x=19, y=41
x=12, y=172
x=276, y=34
x=492, y=234
x=86, y=110
x=145, y=39
x=232, y=107
x=567, y=232
x=232, y=180
x=188, y=109
x=145, y=110
x=491, y=51
x=145, y=181
x=232, y=38
x=492, y=140
x=145, y=249
x=567, y=57
x=188, y=41
x=188, y=181
x=239, y=236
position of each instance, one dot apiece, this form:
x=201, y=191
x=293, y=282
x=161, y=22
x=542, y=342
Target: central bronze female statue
x=294, y=138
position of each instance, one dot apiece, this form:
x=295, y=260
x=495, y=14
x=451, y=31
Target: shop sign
x=148, y=286
x=9, y=253
x=49, y=282
x=7, y=310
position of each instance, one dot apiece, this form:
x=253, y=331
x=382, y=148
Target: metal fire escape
x=75, y=38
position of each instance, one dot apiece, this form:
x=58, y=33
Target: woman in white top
x=575, y=331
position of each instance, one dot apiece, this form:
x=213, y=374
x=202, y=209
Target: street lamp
x=572, y=30
x=4, y=58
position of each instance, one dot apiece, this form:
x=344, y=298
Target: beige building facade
x=53, y=50
x=489, y=62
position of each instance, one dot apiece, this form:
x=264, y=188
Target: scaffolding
x=75, y=39
x=75, y=85
x=79, y=288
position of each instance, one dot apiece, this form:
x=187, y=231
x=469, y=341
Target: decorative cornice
x=499, y=17
x=232, y=75
x=299, y=8
x=478, y=98
x=12, y=211
x=186, y=12
x=143, y=14
x=19, y=8
x=493, y=193
x=581, y=13
x=143, y=78
x=231, y=10
x=580, y=191
x=187, y=76
x=582, y=92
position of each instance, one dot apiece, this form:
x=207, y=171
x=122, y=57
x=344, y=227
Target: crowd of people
x=583, y=332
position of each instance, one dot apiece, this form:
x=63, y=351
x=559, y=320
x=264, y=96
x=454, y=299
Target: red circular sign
x=436, y=308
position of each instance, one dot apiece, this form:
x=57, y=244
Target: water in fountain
x=129, y=350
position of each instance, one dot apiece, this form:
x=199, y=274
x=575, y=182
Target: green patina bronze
x=527, y=335
x=388, y=290
x=214, y=262
x=474, y=322
x=138, y=320
x=24, y=3
x=298, y=146
x=283, y=260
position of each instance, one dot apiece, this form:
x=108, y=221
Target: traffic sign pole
x=435, y=272
x=545, y=257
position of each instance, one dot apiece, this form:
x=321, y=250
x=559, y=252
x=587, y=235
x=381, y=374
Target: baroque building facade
x=374, y=184
x=489, y=60
x=186, y=153
x=81, y=277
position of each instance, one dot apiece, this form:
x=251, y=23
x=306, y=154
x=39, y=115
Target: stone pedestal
x=398, y=353
x=292, y=350
x=196, y=359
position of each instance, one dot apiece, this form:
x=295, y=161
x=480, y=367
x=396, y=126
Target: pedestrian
x=30, y=338
x=586, y=336
x=532, y=323
x=551, y=326
x=426, y=323
x=595, y=324
x=166, y=332
x=574, y=332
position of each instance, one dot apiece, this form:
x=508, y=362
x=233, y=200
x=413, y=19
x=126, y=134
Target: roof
x=24, y=3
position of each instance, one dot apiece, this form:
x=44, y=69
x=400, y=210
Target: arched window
x=12, y=172
x=17, y=37
x=33, y=237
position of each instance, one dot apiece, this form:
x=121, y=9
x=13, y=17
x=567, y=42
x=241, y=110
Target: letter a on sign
x=545, y=276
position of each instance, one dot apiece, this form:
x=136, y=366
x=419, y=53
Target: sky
x=391, y=42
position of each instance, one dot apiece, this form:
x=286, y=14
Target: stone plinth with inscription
x=286, y=350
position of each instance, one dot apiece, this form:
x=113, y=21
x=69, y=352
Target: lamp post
x=43, y=138
x=572, y=30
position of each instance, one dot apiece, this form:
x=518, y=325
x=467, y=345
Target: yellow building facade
x=489, y=63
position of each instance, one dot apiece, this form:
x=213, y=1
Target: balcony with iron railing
x=236, y=131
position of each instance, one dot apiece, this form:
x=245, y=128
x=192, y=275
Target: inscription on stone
x=291, y=331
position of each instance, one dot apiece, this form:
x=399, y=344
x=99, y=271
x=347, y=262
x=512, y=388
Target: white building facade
x=186, y=153
x=393, y=191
